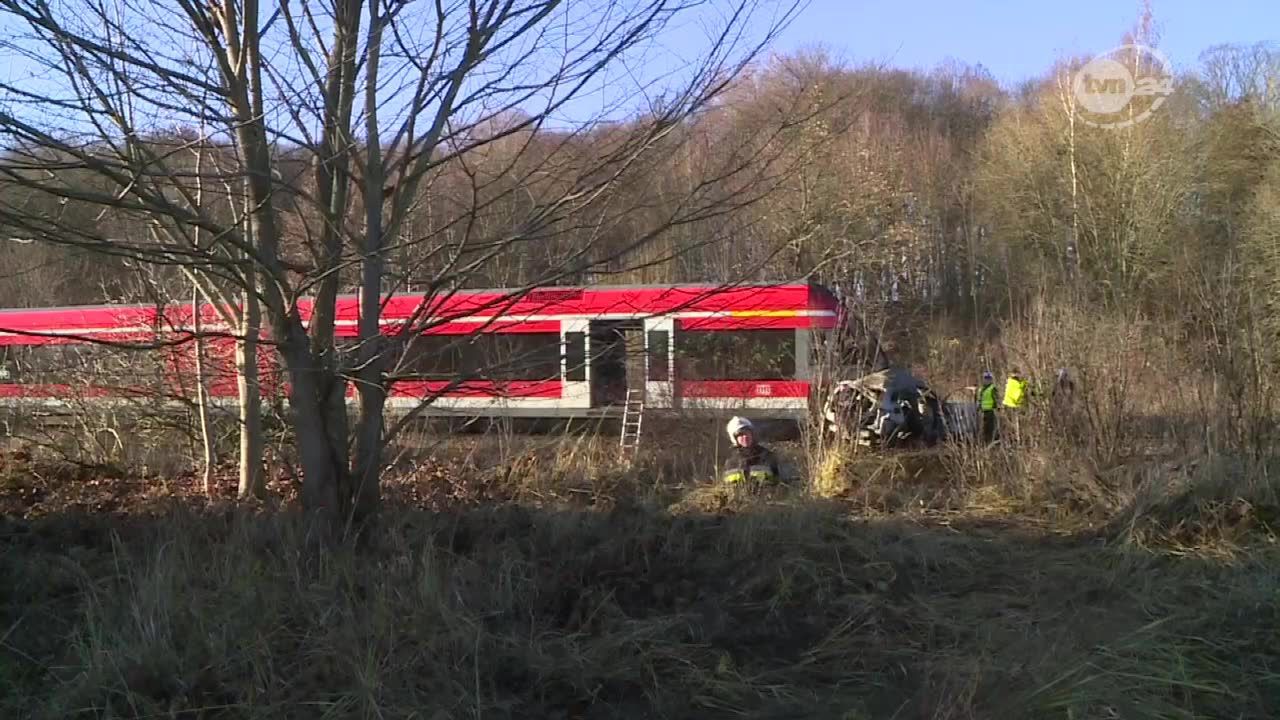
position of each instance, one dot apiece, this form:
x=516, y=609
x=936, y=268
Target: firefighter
x=987, y=406
x=750, y=460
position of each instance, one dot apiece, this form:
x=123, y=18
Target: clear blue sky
x=1014, y=40
x=1019, y=40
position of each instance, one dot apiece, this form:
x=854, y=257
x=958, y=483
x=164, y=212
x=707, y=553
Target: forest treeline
x=939, y=190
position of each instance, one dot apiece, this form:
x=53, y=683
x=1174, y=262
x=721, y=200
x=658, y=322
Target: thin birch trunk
x=250, y=397
x=202, y=397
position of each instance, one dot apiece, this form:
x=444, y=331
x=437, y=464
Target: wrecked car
x=892, y=408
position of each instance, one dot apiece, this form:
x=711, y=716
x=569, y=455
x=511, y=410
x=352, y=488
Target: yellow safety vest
x=987, y=397
x=1014, y=392
x=755, y=473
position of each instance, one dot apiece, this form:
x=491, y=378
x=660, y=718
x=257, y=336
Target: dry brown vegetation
x=534, y=576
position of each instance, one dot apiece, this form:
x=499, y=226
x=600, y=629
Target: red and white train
x=549, y=352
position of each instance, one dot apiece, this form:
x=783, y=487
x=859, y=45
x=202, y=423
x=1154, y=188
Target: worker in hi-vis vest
x=1015, y=391
x=987, y=406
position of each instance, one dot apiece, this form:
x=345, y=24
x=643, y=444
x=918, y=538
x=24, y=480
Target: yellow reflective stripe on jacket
x=756, y=473
x=1014, y=391
x=987, y=397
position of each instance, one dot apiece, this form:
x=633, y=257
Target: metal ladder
x=632, y=419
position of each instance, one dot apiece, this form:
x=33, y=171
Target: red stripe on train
x=466, y=328
x=754, y=323
x=598, y=300
x=478, y=389
x=744, y=388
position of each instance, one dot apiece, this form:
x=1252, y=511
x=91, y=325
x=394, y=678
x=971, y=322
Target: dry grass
x=912, y=596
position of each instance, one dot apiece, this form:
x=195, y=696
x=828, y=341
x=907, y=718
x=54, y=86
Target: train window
x=72, y=364
x=517, y=356
x=575, y=356
x=6, y=364
x=489, y=356
x=430, y=357
x=50, y=364
x=659, y=346
x=736, y=355
x=349, y=351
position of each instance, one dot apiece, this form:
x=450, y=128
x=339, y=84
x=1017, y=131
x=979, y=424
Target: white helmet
x=736, y=425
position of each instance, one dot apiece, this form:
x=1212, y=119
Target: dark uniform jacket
x=756, y=464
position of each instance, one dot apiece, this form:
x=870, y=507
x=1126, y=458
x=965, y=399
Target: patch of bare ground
x=553, y=585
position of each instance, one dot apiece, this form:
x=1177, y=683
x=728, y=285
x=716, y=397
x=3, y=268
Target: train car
x=546, y=352
x=55, y=360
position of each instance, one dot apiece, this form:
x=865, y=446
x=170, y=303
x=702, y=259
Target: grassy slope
x=785, y=605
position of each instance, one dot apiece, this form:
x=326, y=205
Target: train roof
x=705, y=287
x=543, y=302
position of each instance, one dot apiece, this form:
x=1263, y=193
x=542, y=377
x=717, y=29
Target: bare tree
x=335, y=118
x=1230, y=73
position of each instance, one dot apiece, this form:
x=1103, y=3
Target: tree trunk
x=202, y=396
x=333, y=401
x=365, y=492
x=368, y=462
x=315, y=427
x=252, y=482
x=372, y=391
x=202, y=393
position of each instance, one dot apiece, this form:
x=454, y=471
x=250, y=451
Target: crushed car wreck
x=892, y=408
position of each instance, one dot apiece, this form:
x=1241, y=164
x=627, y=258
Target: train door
x=660, y=373
x=575, y=365
x=636, y=357
x=617, y=360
